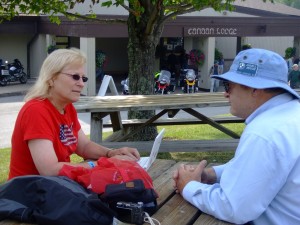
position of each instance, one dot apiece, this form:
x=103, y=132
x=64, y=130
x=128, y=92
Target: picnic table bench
x=127, y=123
x=180, y=145
x=172, y=208
x=176, y=145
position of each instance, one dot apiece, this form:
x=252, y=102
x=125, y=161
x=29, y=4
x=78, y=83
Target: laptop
x=146, y=162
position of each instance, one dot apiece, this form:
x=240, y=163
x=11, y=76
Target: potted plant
x=289, y=52
x=218, y=55
x=246, y=46
x=101, y=61
x=196, y=57
x=51, y=48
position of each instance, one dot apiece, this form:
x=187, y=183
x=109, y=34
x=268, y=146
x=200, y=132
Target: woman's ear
x=51, y=83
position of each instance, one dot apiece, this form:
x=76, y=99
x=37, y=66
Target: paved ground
x=15, y=88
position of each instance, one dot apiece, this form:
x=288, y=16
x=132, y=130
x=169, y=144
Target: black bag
x=51, y=200
x=130, y=200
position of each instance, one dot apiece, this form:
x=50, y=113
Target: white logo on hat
x=242, y=65
x=247, y=69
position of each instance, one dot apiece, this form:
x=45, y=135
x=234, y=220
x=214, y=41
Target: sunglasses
x=76, y=77
x=226, y=86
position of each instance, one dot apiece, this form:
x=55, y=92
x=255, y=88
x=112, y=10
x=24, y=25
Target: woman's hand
x=93, y=151
x=125, y=153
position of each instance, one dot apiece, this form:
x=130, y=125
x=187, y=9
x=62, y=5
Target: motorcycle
x=125, y=86
x=12, y=72
x=162, y=82
x=189, y=81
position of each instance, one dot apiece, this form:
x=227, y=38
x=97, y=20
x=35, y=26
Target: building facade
x=274, y=27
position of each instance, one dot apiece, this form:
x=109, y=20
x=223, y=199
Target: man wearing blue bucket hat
x=261, y=184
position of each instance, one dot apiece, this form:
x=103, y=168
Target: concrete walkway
x=15, y=88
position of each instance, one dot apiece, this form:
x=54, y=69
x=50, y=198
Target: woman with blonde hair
x=47, y=130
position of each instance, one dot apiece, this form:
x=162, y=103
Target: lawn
x=188, y=132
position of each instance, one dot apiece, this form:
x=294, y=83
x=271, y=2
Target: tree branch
x=180, y=10
x=129, y=9
x=154, y=16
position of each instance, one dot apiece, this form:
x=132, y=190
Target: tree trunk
x=141, y=56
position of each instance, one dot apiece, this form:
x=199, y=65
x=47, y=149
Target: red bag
x=108, y=171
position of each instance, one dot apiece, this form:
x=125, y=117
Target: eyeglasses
x=226, y=86
x=76, y=77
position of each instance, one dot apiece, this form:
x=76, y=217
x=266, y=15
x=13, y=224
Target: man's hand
x=186, y=173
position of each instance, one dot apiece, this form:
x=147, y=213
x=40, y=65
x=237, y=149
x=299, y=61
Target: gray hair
x=52, y=65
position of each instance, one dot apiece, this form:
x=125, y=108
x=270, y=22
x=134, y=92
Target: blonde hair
x=52, y=65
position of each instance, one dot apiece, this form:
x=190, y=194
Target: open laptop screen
x=146, y=162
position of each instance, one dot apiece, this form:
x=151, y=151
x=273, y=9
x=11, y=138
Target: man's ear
x=257, y=92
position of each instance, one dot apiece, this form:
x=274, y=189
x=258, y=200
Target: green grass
x=196, y=132
x=4, y=165
x=188, y=132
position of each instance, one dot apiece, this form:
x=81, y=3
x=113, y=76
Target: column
x=88, y=46
x=297, y=46
x=207, y=45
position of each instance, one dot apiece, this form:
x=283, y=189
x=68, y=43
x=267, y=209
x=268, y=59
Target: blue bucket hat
x=260, y=69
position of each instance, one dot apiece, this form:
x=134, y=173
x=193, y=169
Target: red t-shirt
x=39, y=119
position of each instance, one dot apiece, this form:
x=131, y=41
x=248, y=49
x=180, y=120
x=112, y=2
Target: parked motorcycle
x=125, y=86
x=189, y=82
x=162, y=82
x=12, y=72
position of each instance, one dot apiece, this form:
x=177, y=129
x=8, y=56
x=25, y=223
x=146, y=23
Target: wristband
x=91, y=164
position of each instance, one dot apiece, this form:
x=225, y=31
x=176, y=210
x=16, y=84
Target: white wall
x=227, y=45
x=38, y=52
x=14, y=46
x=276, y=44
x=297, y=45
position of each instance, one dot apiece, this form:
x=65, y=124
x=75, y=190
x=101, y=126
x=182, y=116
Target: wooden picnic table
x=172, y=208
x=99, y=107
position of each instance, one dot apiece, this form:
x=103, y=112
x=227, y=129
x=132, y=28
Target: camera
x=137, y=211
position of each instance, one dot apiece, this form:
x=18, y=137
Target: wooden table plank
x=163, y=184
x=170, y=204
x=176, y=211
x=149, y=102
x=173, y=208
x=160, y=166
x=205, y=219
